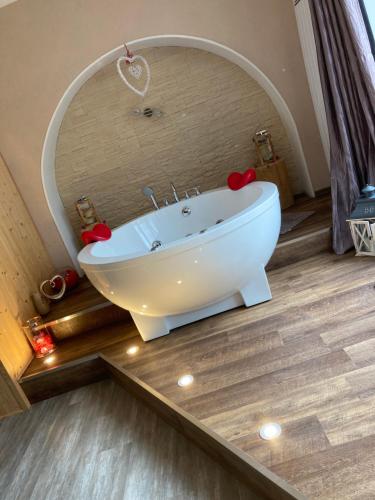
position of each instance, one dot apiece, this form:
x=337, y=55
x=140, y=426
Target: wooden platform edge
x=300, y=248
x=58, y=380
x=258, y=477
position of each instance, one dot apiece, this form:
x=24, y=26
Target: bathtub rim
x=270, y=194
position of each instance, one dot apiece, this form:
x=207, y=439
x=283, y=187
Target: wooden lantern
x=87, y=213
x=362, y=222
x=264, y=147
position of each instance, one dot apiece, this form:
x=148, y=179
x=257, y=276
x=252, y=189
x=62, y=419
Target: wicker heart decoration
x=54, y=288
x=136, y=71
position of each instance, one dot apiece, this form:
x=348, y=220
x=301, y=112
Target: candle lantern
x=87, y=213
x=264, y=147
x=39, y=336
x=362, y=222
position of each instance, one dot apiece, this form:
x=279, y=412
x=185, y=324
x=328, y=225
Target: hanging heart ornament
x=136, y=72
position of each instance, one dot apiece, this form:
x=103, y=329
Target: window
x=368, y=11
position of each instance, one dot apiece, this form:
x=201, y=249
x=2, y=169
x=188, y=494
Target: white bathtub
x=193, y=274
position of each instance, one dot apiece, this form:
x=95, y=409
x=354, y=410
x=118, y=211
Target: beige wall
x=211, y=108
x=45, y=44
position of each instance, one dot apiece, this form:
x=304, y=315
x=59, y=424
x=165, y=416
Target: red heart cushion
x=236, y=180
x=249, y=176
x=100, y=232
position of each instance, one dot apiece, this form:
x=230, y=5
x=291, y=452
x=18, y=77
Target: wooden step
x=300, y=248
x=64, y=378
x=82, y=310
x=74, y=363
x=310, y=237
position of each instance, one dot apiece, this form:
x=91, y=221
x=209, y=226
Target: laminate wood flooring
x=99, y=443
x=306, y=359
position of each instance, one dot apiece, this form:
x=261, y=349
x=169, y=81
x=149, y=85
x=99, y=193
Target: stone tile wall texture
x=211, y=109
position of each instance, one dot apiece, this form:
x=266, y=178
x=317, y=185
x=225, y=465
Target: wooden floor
x=99, y=443
x=306, y=359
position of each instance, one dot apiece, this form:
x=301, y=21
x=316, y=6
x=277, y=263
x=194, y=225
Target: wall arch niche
x=212, y=100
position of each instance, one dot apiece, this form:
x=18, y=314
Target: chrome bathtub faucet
x=194, y=191
x=174, y=192
x=149, y=193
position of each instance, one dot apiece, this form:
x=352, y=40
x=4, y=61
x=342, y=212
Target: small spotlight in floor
x=49, y=360
x=132, y=350
x=270, y=431
x=185, y=380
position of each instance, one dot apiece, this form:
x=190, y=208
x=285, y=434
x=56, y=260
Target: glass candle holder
x=39, y=336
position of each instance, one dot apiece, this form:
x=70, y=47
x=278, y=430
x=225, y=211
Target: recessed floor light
x=270, y=431
x=185, y=380
x=132, y=350
x=49, y=360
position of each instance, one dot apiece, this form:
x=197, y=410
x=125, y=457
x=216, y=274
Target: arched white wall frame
x=49, y=148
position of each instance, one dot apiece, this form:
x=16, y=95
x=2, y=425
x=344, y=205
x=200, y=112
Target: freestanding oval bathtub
x=212, y=252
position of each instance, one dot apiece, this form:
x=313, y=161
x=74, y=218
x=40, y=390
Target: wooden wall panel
x=23, y=264
x=12, y=397
x=211, y=110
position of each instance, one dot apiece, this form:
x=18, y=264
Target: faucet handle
x=195, y=190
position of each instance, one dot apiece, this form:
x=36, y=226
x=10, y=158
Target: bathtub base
x=258, y=289
x=152, y=327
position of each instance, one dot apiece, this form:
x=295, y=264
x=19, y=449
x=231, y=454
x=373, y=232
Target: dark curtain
x=347, y=73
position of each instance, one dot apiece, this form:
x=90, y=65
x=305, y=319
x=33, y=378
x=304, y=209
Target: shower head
x=147, y=191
